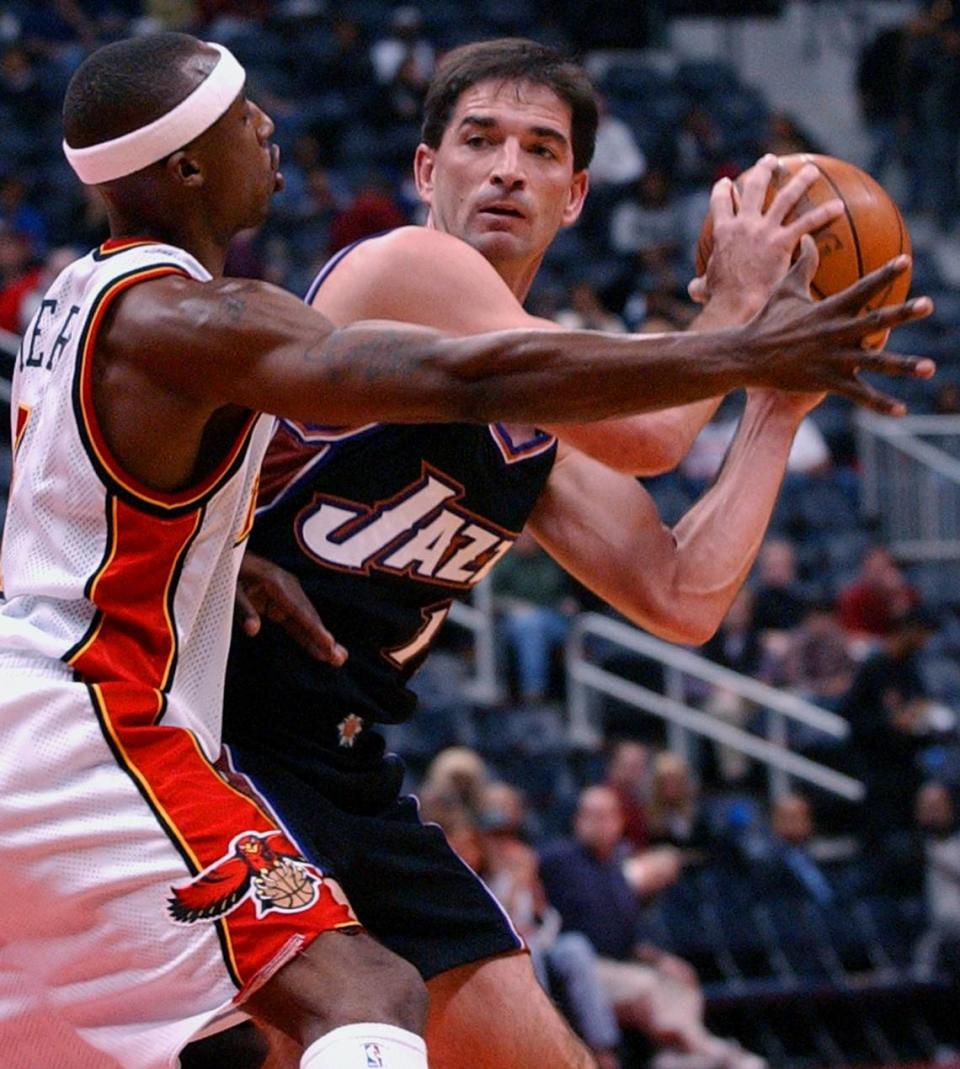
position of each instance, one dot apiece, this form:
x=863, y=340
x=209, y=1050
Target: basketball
x=870, y=231
x=286, y=886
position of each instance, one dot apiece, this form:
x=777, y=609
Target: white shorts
x=118, y=942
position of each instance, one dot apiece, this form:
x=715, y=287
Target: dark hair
x=127, y=84
x=513, y=59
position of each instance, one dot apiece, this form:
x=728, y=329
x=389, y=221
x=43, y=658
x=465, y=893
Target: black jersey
x=384, y=525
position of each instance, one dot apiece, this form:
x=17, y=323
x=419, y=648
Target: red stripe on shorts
x=203, y=815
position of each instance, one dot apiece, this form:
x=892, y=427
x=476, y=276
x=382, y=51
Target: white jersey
x=114, y=579
x=145, y=889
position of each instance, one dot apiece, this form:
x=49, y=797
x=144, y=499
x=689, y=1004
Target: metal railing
x=911, y=483
x=586, y=679
x=477, y=616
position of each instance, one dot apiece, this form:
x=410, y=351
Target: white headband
x=138, y=149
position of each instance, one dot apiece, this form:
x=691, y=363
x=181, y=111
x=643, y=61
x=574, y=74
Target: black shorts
x=409, y=889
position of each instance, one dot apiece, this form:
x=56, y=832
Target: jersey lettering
x=35, y=358
x=63, y=337
x=421, y=532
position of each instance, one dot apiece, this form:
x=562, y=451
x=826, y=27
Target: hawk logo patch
x=265, y=867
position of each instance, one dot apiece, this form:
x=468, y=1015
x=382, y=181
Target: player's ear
x=577, y=194
x=185, y=169
x=423, y=168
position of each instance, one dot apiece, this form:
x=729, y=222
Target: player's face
x=241, y=164
x=502, y=178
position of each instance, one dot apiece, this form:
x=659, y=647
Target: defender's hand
x=812, y=346
x=265, y=589
x=752, y=247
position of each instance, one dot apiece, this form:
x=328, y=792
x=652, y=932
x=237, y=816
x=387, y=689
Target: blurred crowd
x=908, y=79
x=581, y=855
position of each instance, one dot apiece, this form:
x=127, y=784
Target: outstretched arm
x=272, y=354
x=174, y=352
x=678, y=583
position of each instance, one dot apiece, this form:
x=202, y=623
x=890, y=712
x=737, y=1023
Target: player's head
x=161, y=126
x=508, y=132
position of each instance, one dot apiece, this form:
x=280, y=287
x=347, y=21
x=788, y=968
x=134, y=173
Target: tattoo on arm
x=375, y=356
x=234, y=307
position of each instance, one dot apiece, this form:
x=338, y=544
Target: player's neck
x=518, y=275
x=202, y=246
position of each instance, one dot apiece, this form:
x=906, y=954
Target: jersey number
x=433, y=617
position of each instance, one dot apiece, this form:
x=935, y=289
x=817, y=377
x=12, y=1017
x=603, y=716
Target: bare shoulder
x=159, y=310
x=417, y=275
x=418, y=246
x=194, y=337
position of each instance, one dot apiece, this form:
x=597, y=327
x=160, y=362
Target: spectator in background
x=372, y=211
x=456, y=777
x=617, y=159
x=674, y=814
x=734, y=645
x=56, y=260
x=936, y=816
x=227, y=19
x=782, y=863
x=159, y=15
x=504, y=813
x=785, y=136
x=628, y=776
x=696, y=158
x=565, y=962
x=817, y=664
x=60, y=31
x=405, y=42
x=535, y=603
x=460, y=824
x=779, y=603
x=947, y=400
x=882, y=77
x=403, y=96
x=644, y=223
x=346, y=66
x=21, y=217
x=652, y=991
x=304, y=155
x=870, y=605
x=934, y=74
x=21, y=90
x=587, y=312
x=20, y=275
x=648, y=870
x=891, y=721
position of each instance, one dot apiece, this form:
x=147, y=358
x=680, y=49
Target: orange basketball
x=870, y=231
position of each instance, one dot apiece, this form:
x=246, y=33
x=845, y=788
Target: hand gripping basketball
x=815, y=346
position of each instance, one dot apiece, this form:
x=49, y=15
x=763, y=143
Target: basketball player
x=386, y=524
x=146, y=892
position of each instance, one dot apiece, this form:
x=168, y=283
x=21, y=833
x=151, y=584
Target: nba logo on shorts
x=374, y=1057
